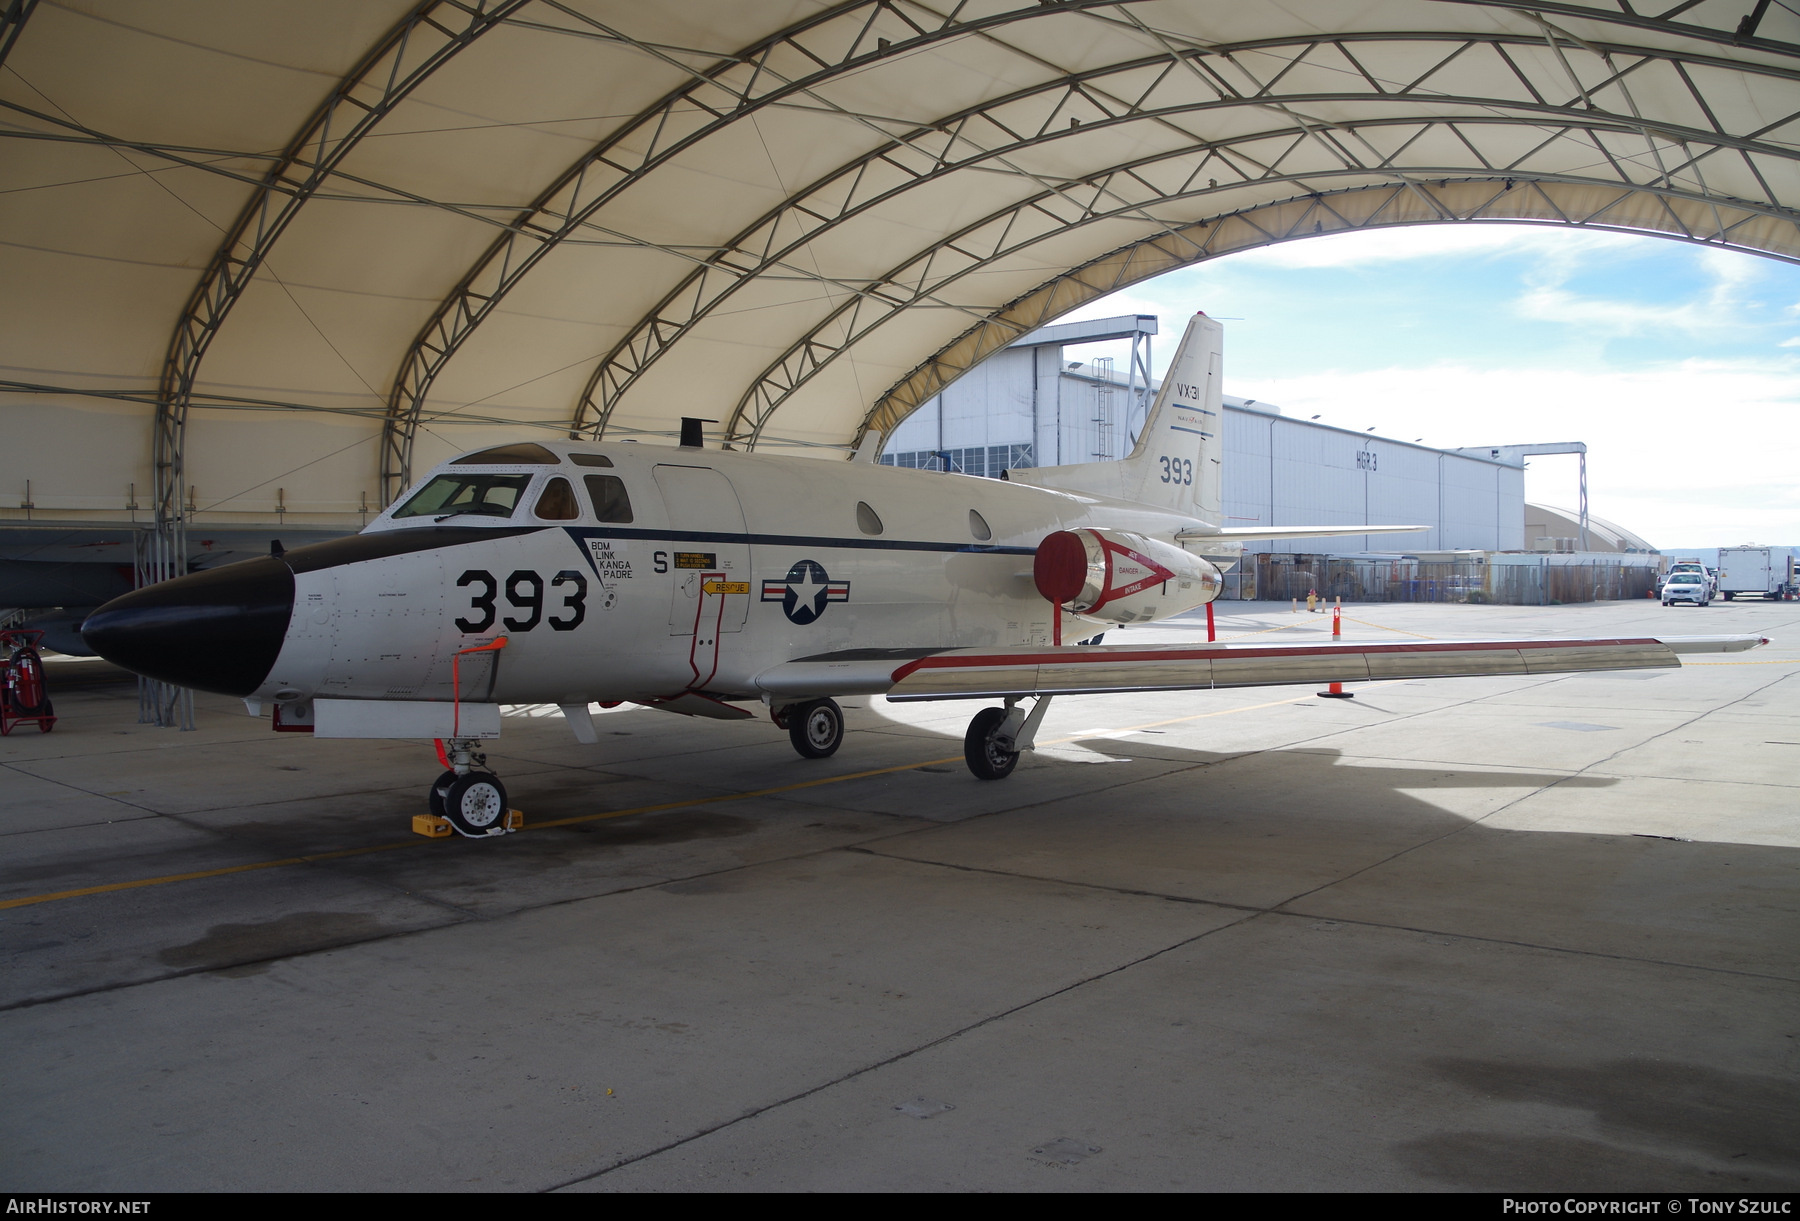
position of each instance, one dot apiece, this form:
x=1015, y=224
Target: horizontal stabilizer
x=1243, y=534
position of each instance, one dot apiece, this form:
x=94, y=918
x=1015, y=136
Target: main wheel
x=986, y=757
x=817, y=729
x=475, y=804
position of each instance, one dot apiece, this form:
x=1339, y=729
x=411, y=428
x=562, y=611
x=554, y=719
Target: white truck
x=1755, y=572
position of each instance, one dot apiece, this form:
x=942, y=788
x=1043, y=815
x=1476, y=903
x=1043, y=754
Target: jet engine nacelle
x=1120, y=577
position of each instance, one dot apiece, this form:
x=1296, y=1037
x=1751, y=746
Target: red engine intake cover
x=1060, y=567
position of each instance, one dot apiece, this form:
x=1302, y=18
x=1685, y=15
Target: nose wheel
x=474, y=803
x=471, y=800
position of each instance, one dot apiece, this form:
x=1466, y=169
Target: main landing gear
x=816, y=728
x=991, y=748
x=997, y=736
x=471, y=800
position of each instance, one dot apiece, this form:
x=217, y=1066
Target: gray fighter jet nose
x=218, y=630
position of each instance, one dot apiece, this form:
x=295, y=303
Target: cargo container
x=1755, y=572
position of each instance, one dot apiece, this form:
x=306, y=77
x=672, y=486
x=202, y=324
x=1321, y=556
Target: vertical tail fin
x=1175, y=464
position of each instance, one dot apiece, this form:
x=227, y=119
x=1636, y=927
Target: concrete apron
x=1533, y=934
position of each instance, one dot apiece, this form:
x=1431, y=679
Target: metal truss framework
x=789, y=65
x=1562, y=140
x=1630, y=210
x=12, y=21
x=987, y=135
x=975, y=138
x=434, y=32
x=1649, y=203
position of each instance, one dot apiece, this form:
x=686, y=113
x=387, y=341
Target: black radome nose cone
x=218, y=630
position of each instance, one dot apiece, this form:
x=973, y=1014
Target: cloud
x=1682, y=451
x=1701, y=449
x=1553, y=304
x=1721, y=306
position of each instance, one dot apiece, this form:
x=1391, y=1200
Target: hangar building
x=1029, y=406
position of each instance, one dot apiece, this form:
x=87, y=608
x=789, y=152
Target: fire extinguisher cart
x=24, y=696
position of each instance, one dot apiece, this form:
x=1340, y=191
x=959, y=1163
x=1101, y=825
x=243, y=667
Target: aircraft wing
x=921, y=674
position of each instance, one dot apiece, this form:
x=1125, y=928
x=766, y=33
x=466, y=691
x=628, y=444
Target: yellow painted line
x=1384, y=627
x=706, y=801
x=1280, y=627
x=1321, y=626
x=313, y=858
x=204, y=873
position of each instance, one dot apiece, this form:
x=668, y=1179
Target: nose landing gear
x=470, y=799
x=475, y=804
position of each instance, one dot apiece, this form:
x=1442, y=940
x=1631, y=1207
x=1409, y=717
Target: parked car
x=1686, y=587
x=1695, y=566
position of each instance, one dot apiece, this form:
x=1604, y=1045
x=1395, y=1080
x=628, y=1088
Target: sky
x=1677, y=364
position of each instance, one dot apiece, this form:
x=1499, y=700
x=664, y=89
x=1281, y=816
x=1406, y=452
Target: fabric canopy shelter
x=266, y=261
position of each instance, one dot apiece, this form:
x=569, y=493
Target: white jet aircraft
x=698, y=580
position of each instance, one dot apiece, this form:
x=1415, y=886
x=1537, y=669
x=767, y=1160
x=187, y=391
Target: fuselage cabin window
x=978, y=526
x=557, y=501
x=611, y=503
x=867, y=519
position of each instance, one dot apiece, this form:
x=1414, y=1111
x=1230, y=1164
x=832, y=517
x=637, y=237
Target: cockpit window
x=557, y=501
x=521, y=453
x=453, y=495
x=611, y=504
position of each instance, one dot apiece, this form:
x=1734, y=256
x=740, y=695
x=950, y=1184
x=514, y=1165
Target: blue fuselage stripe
x=581, y=533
